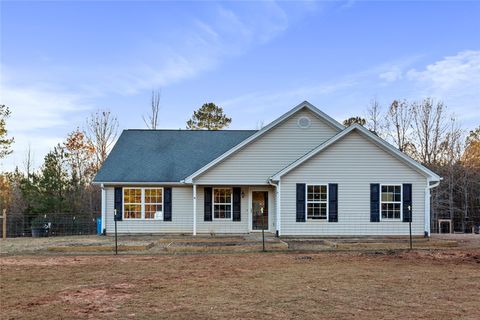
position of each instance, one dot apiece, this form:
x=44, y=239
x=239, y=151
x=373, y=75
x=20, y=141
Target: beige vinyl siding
x=270, y=153
x=354, y=163
x=222, y=226
x=182, y=215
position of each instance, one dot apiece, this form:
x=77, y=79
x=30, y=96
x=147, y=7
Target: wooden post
x=4, y=229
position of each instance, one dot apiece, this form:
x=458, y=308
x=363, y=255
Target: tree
x=354, y=120
x=151, y=121
x=429, y=127
x=53, y=183
x=375, y=120
x=471, y=156
x=5, y=143
x=79, y=154
x=102, y=129
x=210, y=117
x=399, y=120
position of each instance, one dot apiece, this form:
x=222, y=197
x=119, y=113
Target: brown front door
x=259, y=210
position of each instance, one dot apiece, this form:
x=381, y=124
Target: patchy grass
x=436, y=285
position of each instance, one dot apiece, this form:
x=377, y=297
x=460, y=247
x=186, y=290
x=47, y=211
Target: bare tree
x=399, y=120
x=375, y=118
x=102, y=129
x=429, y=126
x=151, y=121
x=28, y=161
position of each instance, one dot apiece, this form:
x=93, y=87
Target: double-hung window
x=391, y=202
x=132, y=203
x=317, y=201
x=153, y=203
x=222, y=203
x=143, y=203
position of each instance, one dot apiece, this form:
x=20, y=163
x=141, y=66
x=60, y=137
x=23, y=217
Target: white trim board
x=374, y=138
x=332, y=122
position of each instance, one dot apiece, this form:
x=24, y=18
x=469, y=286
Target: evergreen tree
x=358, y=120
x=210, y=117
x=5, y=142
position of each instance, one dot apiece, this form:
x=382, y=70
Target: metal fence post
x=410, y=225
x=4, y=229
x=263, y=230
x=115, y=218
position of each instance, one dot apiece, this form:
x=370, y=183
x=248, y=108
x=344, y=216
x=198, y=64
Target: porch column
x=104, y=206
x=194, y=209
x=278, y=222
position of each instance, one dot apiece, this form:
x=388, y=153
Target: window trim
x=142, y=216
x=326, y=201
x=401, y=201
x=231, y=204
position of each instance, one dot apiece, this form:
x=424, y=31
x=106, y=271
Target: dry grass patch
x=434, y=285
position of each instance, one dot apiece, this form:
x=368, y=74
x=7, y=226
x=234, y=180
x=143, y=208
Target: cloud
x=394, y=74
x=459, y=74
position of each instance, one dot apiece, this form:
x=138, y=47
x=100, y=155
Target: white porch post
x=279, y=222
x=194, y=209
x=104, y=206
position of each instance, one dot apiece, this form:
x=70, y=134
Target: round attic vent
x=304, y=122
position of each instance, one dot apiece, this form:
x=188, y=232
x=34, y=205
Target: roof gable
x=304, y=105
x=369, y=135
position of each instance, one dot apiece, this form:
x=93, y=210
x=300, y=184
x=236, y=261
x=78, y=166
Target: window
x=132, y=203
x=391, y=202
x=153, y=204
x=143, y=203
x=317, y=198
x=222, y=203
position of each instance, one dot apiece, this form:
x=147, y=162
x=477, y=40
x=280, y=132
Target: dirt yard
x=424, y=284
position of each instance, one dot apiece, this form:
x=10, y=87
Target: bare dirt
x=347, y=285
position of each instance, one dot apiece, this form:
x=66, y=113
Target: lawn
x=424, y=284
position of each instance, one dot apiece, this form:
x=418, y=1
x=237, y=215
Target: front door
x=259, y=210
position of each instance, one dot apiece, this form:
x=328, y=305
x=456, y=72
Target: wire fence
x=50, y=224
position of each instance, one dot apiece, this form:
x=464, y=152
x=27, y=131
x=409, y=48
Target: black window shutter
x=237, y=195
x=167, y=204
x=407, y=202
x=207, y=201
x=300, y=202
x=374, y=202
x=332, y=202
x=118, y=203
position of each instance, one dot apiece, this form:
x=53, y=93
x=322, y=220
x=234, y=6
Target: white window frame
x=142, y=204
x=316, y=201
x=226, y=203
x=156, y=203
x=401, y=201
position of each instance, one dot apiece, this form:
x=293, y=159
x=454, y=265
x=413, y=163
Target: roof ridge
x=187, y=130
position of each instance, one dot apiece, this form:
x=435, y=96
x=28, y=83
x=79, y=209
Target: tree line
x=421, y=129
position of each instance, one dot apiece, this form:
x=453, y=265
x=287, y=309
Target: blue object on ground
x=99, y=226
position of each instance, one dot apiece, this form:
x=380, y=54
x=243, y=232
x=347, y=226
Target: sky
x=62, y=60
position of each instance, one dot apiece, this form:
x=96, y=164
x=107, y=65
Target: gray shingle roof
x=165, y=155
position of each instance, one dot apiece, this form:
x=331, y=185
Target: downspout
x=277, y=205
x=427, y=205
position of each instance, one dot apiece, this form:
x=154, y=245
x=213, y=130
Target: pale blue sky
x=62, y=60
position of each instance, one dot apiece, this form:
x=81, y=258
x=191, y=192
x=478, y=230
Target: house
x=303, y=174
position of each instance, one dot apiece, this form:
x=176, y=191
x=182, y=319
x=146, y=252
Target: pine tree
x=210, y=117
x=5, y=142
